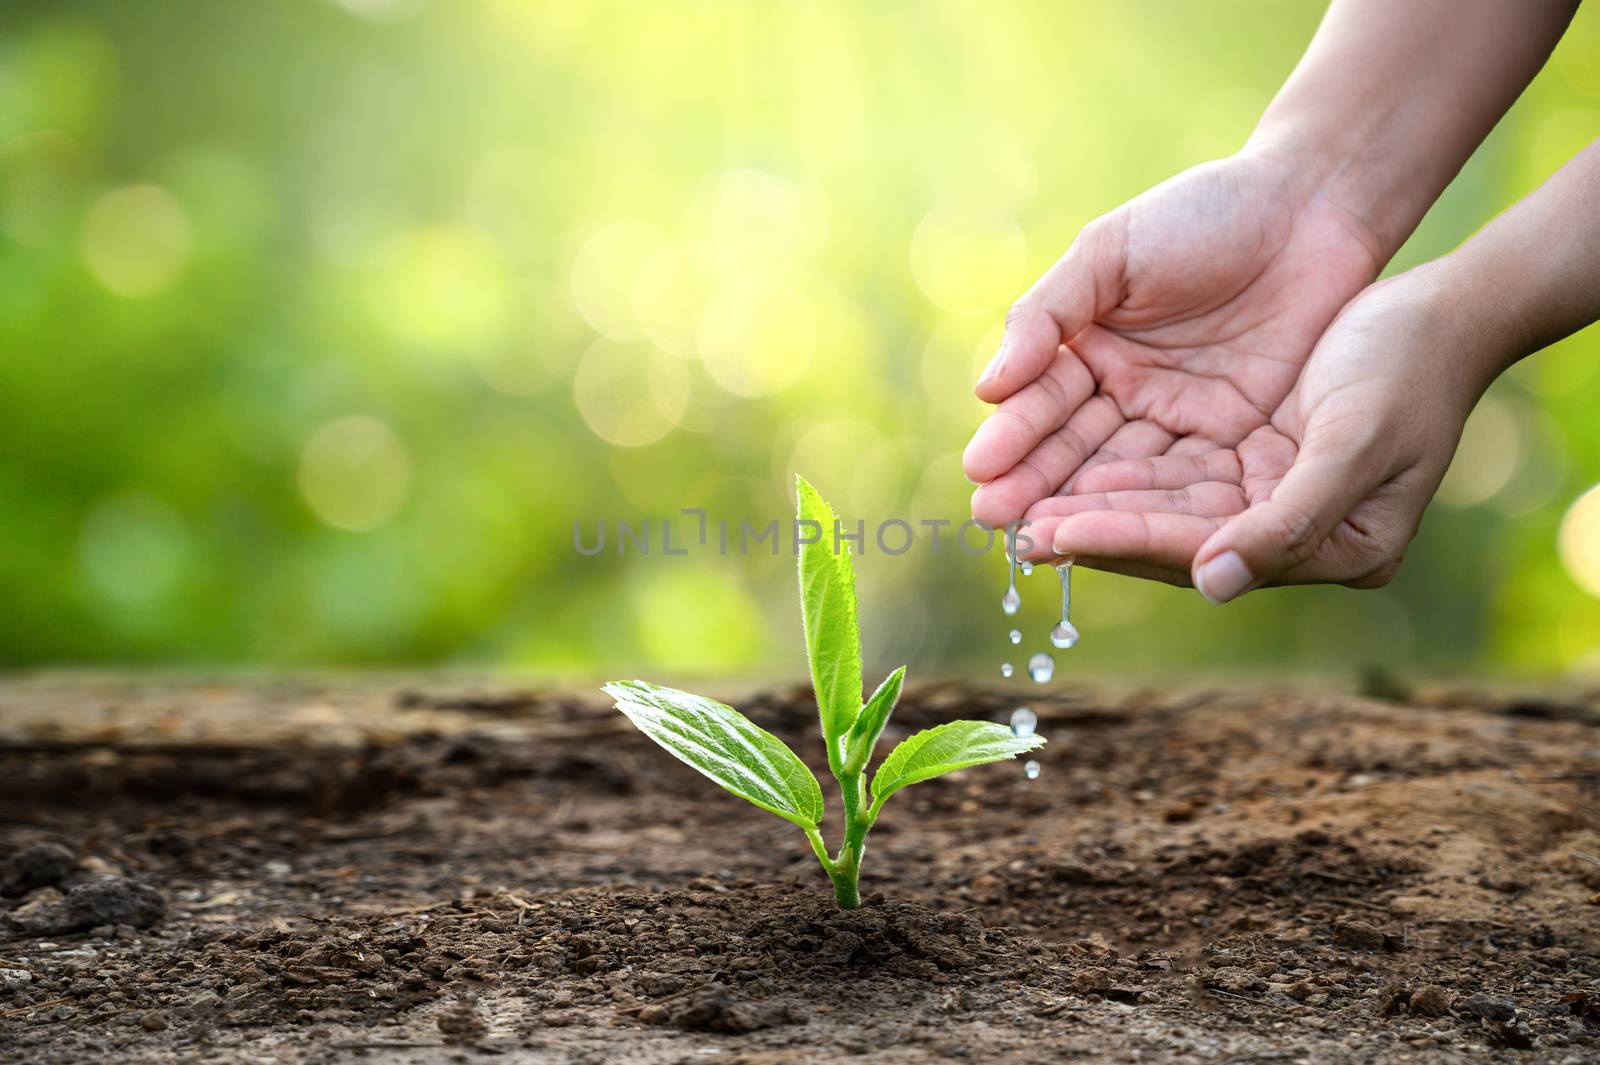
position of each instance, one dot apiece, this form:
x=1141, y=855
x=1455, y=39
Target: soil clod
x=35, y=866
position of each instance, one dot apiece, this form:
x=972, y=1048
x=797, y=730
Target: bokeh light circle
x=669, y=295
x=1492, y=449
x=758, y=221
x=828, y=454
x=757, y=338
x=133, y=547
x=629, y=391
x=355, y=473
x=966, y=262
x=136, y=240
x=606, y=270
x=444, y=288
x=1578, y=541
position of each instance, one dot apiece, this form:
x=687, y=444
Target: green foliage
x=869, y=725
x=828, y=612
x=724, y=745
x=944, y=749
x=821, y=252
x=755, y=765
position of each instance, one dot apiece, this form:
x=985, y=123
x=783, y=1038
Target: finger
x=1019, y=424
x=1161, y=472
x=1136, y=440
x=1209, y=499
x=1144, y=571
x=1039, y=547
x=1042, y=471
x=1194, y=445
x=1085, y=282
x=1334, y=470
x=1162, y=541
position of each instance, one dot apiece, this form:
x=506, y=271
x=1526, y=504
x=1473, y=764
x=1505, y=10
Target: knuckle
x=1095, y=230
x=1296, y=535
x=1020, y=310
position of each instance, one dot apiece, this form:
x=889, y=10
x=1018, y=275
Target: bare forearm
x=1393, y=96
x=1528, y=278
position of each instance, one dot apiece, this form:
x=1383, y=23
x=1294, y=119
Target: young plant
x=755, y=765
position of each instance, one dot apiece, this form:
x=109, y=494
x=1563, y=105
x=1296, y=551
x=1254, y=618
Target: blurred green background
x=321, y=323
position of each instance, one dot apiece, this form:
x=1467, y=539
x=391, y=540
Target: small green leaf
x=869, y=726
x=944, y=749
x=724, y=745
x=828, y=609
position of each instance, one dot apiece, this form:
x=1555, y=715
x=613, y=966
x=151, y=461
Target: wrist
x=1340, y=167
x=1465, y=324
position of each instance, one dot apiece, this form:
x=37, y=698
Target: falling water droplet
x=1064, y=634
x=1011, y=602
x=1016, y=635
x=1030, y=769
x=1023, y=721
x=1026, y=568
x=1005, y=669
x=1041, y=667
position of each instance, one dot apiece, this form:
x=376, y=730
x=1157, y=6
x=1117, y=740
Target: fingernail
x=1223, y=578
x=991, y=371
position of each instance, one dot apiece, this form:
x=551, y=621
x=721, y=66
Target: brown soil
x=321, y=872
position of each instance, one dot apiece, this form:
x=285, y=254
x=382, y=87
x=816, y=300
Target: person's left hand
x=1173, y=325
x=1331, y=489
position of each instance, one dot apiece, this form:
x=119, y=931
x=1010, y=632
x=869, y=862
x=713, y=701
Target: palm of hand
x=1150, y=516
x=1220, y=283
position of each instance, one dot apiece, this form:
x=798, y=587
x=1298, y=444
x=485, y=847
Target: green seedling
x=755, y=765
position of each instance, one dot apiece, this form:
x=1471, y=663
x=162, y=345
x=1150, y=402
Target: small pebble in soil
x=1431, y=1000
x=460, y=1023
x=1359, y=935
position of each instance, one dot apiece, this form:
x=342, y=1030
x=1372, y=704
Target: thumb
x=1332, y=473
x=1085, y=282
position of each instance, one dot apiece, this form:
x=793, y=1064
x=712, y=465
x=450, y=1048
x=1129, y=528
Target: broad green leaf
x=724, y=745
x=944, y=749
x=828, y=609
x=869, y=726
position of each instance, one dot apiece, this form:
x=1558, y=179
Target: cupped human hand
x=1173, y=326
x=1332, y=489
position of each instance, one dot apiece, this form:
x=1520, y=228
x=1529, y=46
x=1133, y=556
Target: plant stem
x=820, y=849
x=845, y=869
x=845, y=892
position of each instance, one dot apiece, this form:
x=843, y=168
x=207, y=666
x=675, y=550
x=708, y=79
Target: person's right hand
x=1176, y=324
